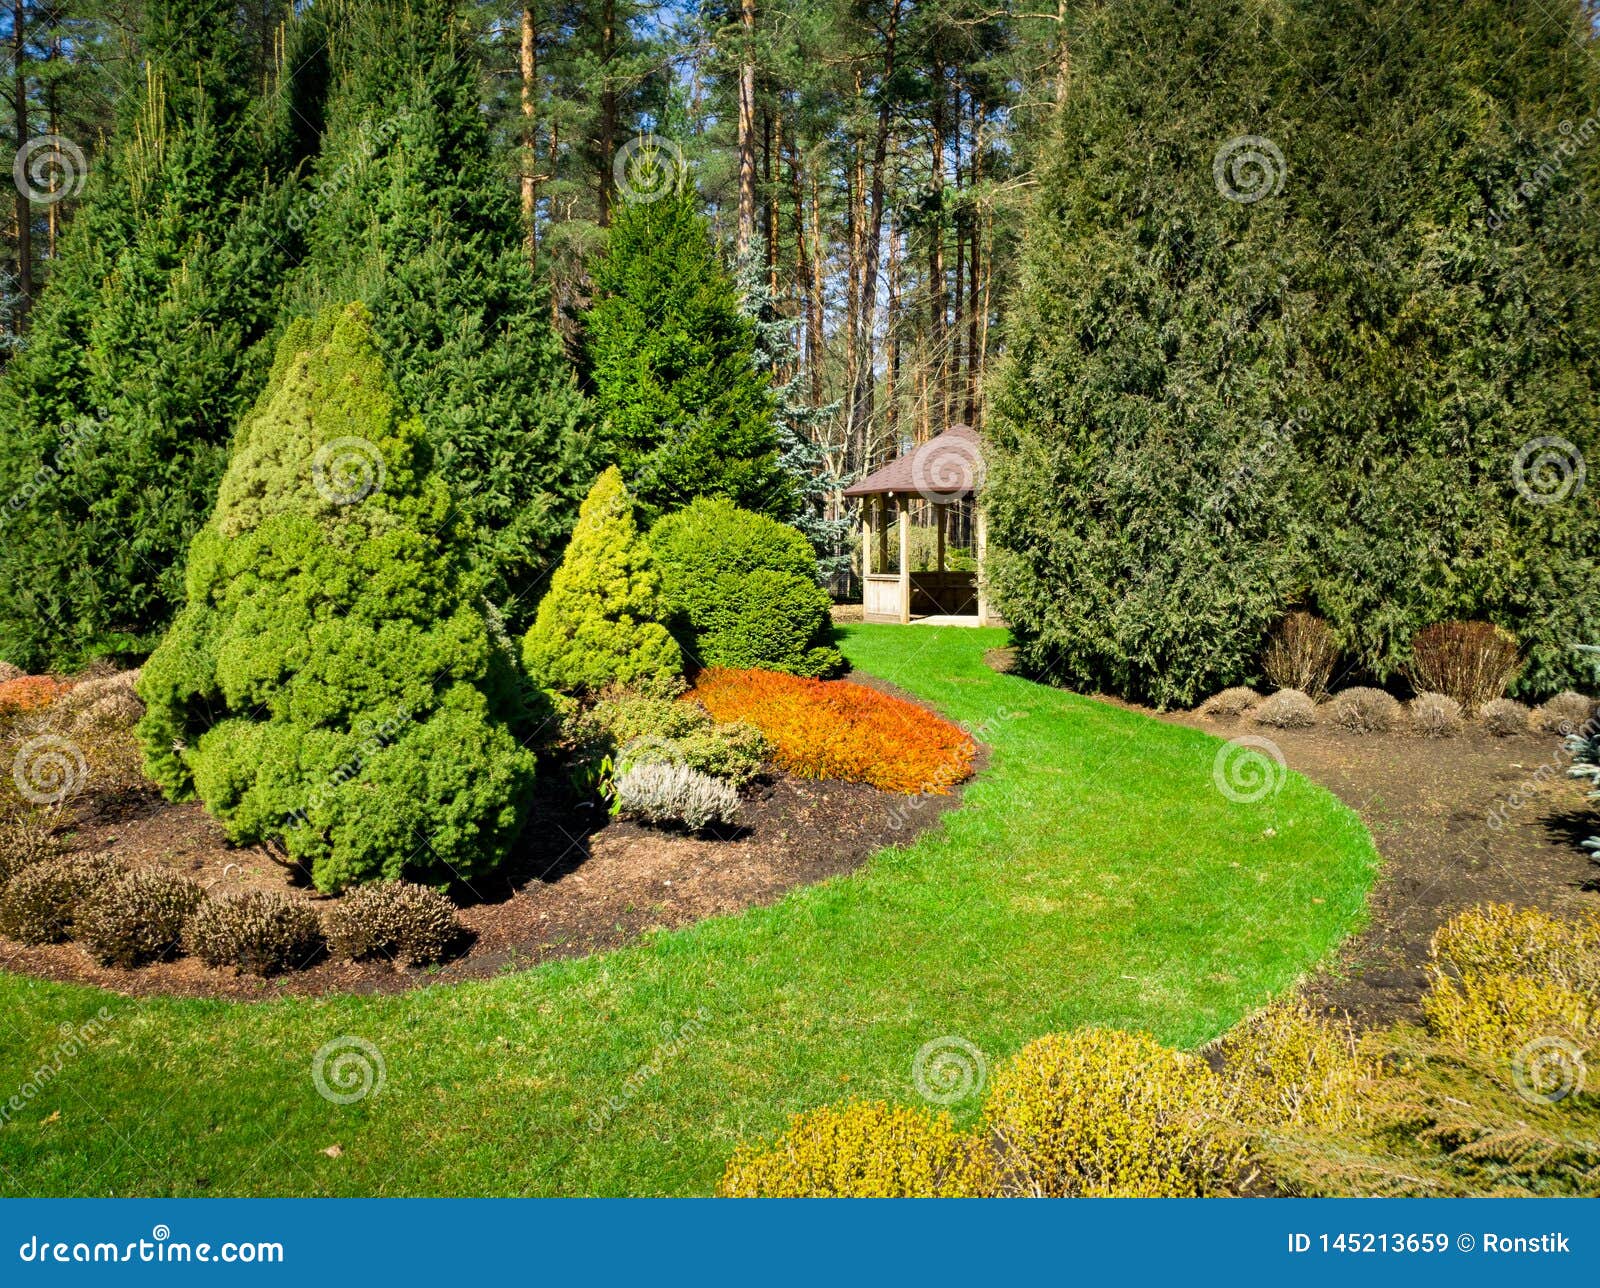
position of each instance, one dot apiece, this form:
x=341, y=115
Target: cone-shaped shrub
x=333, y=684
x=600, y=623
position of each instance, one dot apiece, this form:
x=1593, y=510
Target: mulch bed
x=1428, y=804
x=579, y=885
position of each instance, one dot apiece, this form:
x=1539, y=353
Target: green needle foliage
x=148, y=343
x=334, y=685
x=410, y=212
x=1213, y=410
x=681, y=407
x=601, y=622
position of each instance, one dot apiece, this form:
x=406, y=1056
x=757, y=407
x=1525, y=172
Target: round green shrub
x=42, y=903
x=335, y=683
x=407, y=923
x=258, y=932
x=601, y=621
x=742, y=589
x=139, y=918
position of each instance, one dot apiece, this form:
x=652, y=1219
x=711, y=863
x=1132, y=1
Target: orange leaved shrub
x=835, y=729
x=30, y=692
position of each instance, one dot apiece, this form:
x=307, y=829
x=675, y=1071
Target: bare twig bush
x=1472, y=662
x=1301, y=654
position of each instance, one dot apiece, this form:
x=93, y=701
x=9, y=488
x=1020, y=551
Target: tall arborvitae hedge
x=334, y=685
x=680, y=407
x=1304, y=288
x=145, y=346
x=411, y=212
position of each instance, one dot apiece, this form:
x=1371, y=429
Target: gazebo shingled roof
x=947, y=465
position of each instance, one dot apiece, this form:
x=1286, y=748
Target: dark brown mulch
x=579, y=884
x=1428, y=804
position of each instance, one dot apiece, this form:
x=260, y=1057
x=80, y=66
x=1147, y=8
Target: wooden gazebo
x=934, y=485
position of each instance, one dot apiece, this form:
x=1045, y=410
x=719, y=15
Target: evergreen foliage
x=681, y=408
x=146, y=346
x=742, y=589
x=334, y=685
x=601, y=622
x=410, y=212
x=1214, y=410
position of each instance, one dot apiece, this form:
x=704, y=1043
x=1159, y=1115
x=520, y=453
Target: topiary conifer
x=601, y=622
x=334, y=685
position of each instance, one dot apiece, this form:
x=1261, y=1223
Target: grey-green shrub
x=1435, y=715
x=1363, y=710
x=42, y=903
x=663, y=793
x=1504, y=717
x=632, y=727
x=1565, y=713
x=1230, y=704
x=258, y=932
x=1286, y=709
x=407, y=923
x=139, y=918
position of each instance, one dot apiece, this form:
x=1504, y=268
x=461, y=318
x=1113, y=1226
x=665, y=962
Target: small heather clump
x=1567, y=712
x=1230, y=704
x=1286, y=709
x=1504, y=717
x=1434, y=715
x=257, y=932
x=42, y=903
x=1363, y=710
x=410, y=924
x=661, y=792
x=139, y=918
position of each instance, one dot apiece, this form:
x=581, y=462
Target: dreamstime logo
x=948, y=1070
x=348, y=1069
x=1548, y=470
x=946, y=467
x=347, y=470
x=48, y=769
x=48, y=169
x=1249, y=769
x=1548, y=1070
x=649, y=168
x=1249, y=168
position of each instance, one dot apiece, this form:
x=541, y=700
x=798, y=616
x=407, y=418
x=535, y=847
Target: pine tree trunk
x=747, y=129
x=529, y=66
x=19, y=19
x=608, y=111
x=937, y=356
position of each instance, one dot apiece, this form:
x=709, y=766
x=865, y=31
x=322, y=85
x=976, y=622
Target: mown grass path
x=1094, y=875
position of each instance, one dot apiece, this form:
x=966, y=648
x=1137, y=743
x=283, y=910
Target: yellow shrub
x=862, y=1150
x=1499, y=939
x=1499, y=1014
x=1110, y=1114
x=1289, y=1066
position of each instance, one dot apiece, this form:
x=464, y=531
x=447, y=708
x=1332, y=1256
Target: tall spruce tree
x=411, y=213
x=1276, y=345
x=680, y=406
x=146, y=345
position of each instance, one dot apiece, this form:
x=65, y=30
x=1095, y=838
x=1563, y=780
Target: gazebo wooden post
x=940, y=511
x=905, y=563
x=980, y=541
x=883, y=533
x=866, y=543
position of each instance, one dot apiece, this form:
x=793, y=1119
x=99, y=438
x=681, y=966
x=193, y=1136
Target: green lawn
x=1094, y=875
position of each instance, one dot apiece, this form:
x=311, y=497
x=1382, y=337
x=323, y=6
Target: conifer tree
x=145, y=347
x=1291, y=337
x=410, y=212
x=334, y=685
x=680, y=406
x=601, y=622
